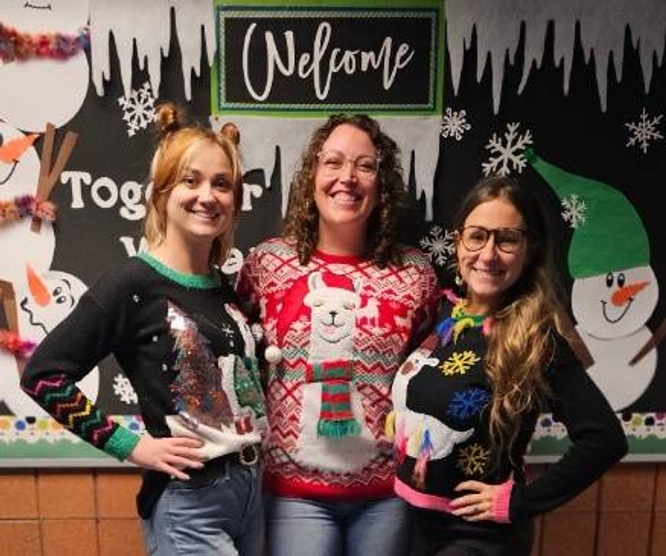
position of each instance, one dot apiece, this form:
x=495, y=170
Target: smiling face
x=35, y=16
x=201, y=205
x=345, y=188
x=489, y=272
x=615, y=304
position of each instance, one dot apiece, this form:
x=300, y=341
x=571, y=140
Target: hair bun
x=231, y=132
x=168, y=118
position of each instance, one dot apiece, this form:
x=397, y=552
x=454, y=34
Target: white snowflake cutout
x=644, y=131
x=138, y=108
x=123, y=389
x=454, y=124
x=439, y=245
x=508, y=154
x=574, y=210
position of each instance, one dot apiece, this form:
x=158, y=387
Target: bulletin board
x=466, y=89
x=195, y=54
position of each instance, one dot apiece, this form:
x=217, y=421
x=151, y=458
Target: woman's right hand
x=170, y=455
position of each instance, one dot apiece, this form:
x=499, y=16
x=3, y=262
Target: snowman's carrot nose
x=625, y=293
x=39, y=291
x=12, y=150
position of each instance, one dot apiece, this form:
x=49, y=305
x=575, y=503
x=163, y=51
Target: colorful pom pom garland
x=26, y=206
x=20, y=47
x=11, y=342
x=452, y=327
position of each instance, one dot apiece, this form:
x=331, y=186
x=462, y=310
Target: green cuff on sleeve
x=121, y=443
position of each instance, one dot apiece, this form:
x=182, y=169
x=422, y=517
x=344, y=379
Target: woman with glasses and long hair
x=467, y=400
x=341, y=303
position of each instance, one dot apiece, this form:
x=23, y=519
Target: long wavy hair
x=301, y=223
x=177, y=144
x=521, y=341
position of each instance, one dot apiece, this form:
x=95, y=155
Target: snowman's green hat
x=610, y=235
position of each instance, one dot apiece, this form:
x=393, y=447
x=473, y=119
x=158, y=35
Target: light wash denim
x=222, y=518
x=298, y=527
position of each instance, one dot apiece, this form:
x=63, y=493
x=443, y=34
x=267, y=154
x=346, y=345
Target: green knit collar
x=191, y=281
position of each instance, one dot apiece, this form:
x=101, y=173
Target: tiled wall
x=69, y=513
x=91, y=513
x=623, y=514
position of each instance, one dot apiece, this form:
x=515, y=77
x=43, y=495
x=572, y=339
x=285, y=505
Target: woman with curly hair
x=341, y=303
x=172, y=321
x=467, y=400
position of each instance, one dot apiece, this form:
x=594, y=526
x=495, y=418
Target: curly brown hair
x=301, y=223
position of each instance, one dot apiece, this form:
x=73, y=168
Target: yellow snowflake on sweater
x=459, y=363
x=473, y=459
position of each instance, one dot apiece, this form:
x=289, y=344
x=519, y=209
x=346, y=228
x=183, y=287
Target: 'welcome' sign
x=305, y=59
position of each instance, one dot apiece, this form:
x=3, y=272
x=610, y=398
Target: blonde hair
x=521, y=341
x=177, y=144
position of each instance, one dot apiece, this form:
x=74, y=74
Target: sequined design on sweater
x=199, y=396
x=217, y=400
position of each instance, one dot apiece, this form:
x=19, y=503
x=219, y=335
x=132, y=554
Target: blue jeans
x=222, y=517
x=299, y=527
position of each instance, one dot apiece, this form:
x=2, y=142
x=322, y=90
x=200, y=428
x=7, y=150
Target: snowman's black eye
x=620, y=279
x=2, y=139
x=609, y=279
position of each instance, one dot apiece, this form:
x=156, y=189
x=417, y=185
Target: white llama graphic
x=332, y=339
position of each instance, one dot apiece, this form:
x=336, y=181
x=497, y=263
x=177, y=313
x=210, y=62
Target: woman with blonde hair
x=172, y=322
x=468, y=399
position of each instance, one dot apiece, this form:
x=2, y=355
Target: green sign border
x=337, y=8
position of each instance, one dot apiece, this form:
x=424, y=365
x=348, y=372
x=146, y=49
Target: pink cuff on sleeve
x=501, y=503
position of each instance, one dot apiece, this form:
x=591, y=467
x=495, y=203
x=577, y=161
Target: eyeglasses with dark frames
x=507, y=240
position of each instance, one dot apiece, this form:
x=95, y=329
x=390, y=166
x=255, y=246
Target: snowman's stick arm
x=652, y=343
x=9, y=305
x=48, y=176
x=573, y=338
x=8, y=297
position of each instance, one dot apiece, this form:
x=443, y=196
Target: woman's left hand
x=478, y=503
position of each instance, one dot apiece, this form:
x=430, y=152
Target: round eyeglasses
x=332, y=163
x=507, y=240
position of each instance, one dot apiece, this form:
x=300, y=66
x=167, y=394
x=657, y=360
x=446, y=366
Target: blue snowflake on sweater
x=467, y=403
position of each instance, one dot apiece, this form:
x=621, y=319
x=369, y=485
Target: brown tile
x=536, y=545
x=622, y=534
x=67, y=537
x=628, y=487
x=116, y=493
x=568, y=534
x=658, y=541
x=120, y=537
x=18, y=494
x=63, y=494
x=660, y=490
x=20, y=538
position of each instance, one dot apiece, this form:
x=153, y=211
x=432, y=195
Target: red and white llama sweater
x=343, y=326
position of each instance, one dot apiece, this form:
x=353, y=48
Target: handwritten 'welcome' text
x=321, y=65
